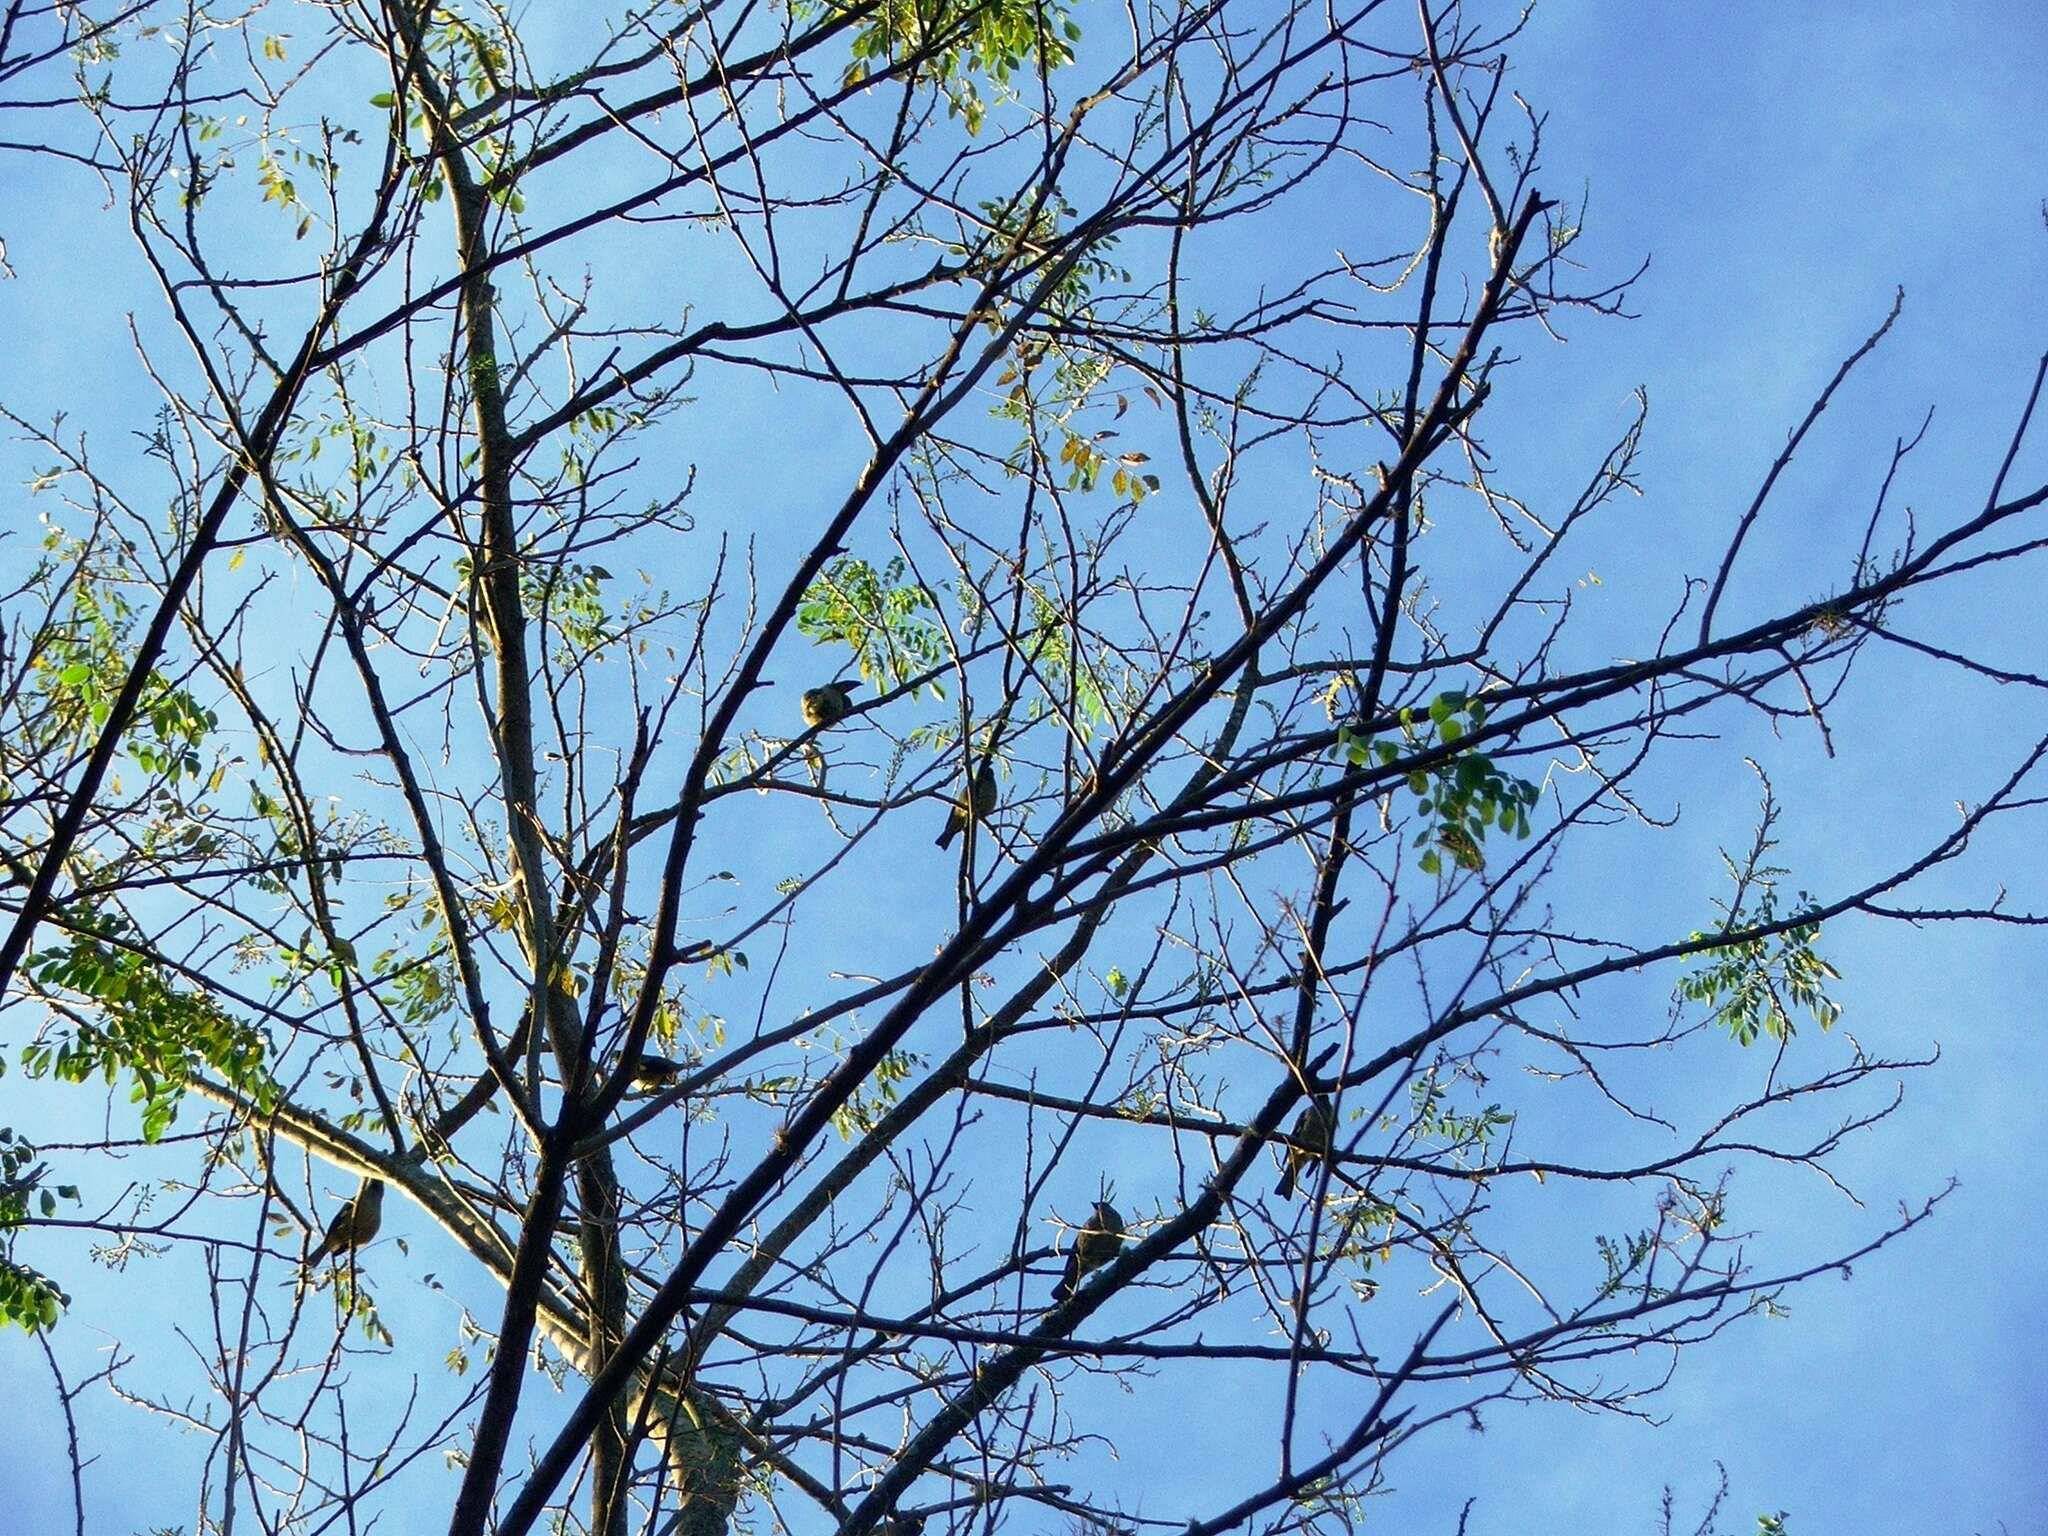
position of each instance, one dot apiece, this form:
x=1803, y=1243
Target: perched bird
x=1314, y=1129
x=984, y=801
x=826, y=703
x=1094, y=1246
x=354, y=1224
x=655, y=1071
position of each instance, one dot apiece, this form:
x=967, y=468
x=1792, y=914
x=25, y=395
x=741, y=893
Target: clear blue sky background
x=1785, y=171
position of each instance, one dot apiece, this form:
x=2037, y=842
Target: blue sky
x=1784, y=175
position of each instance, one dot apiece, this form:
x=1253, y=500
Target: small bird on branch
x=977, y=808
x=1315, y=1128
x=654, y=1071
x=1094, y=1246
x=828, y=703
x=353, y=1225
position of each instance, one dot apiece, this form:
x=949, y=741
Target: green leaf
x=29, y=1300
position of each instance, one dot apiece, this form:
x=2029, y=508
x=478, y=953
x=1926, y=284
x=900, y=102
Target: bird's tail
x=1063, y=1288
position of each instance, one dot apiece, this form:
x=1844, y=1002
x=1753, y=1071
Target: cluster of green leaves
x=178, y=723
x=474, y=68
x=1363, y=1232
x=421, y=991
x=1434, y=1119
x=28, y=1299
x=475, y=63
x=275, y=182
x=100, y=45
x=288, y=846
x=1016, y=238
x=956, y=43
x=569, y=598
x=1050, y=406
x=133, y=1017
x=279, y=159
x=80, y=672
x=725, y=962
x=861, y=1113
x=352, y=1299
x=879, y=616
x=368, y=454
x=1623, y=1260
x=1754, y=985
x=1066, y=670
x=1463, y=796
